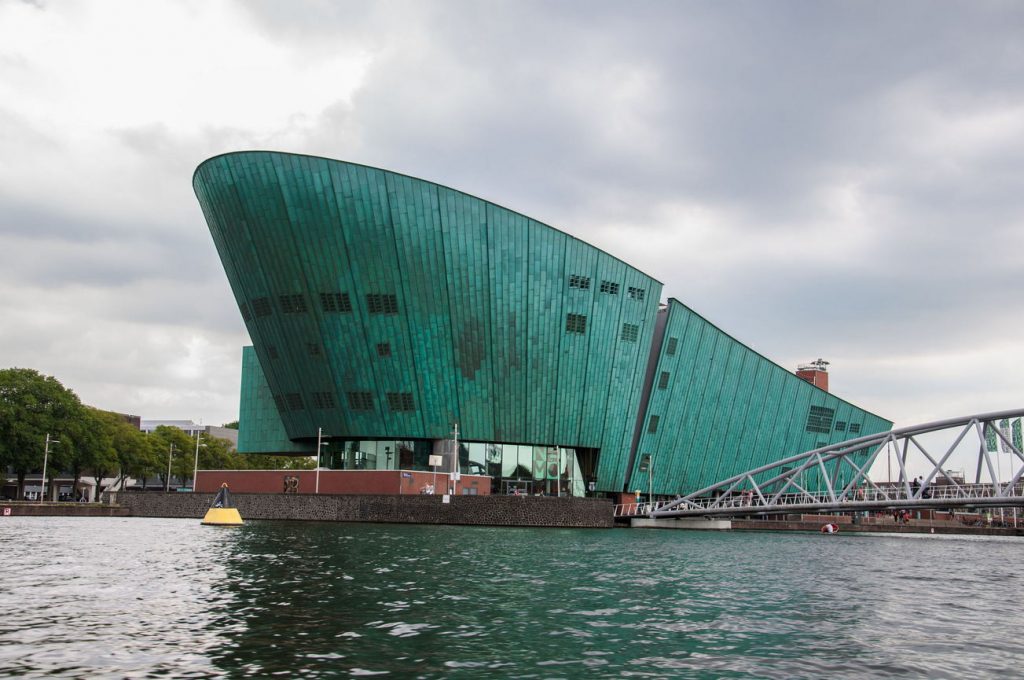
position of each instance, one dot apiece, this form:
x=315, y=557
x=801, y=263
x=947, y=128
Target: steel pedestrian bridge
x=843, y=484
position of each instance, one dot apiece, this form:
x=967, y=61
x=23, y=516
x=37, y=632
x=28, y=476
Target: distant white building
x=191, y=429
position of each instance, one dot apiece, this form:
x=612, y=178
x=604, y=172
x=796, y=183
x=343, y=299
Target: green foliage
x=167, y=441
x=233, y=425
x=136, y=456
x=88, y=444
x=260, y=462
x=32, y=405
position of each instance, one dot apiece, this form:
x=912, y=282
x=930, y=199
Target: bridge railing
x=638, y=509
x=838, y=475
x=894, y=493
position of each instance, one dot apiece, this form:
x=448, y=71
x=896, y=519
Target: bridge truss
x=843, y=483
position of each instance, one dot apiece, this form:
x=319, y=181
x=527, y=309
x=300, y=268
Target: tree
x=263, y=462
x=164, y=437
x=233, y=425
x=92, y=438
x=86, y=443
x=136, y=456
x=32, y=405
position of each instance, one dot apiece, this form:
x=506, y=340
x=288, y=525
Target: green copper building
x=385, y=309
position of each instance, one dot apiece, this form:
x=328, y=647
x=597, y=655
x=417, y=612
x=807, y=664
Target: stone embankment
x=36, y=509
x=520, y=511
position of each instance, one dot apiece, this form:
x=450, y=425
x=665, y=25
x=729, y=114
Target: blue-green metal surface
x=478, y=333
x=725, y=409
x=386, y=307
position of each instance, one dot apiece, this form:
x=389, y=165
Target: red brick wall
x=383, y=482
x=816, y=378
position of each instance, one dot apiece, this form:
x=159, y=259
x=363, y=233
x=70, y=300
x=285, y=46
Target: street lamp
x=46, y=456
x=167, y=480
x=320, y=444
x=195, y=468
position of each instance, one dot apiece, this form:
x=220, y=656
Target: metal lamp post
x=320, y=444
x=167, y=481
x=195, y=467
x=46, y=456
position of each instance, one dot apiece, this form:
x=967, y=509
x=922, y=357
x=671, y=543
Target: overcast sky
x=819, y=179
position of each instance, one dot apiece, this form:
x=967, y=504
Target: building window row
x=400, y=401
x=630, y=332
x=323, y=400
x=382, y=303
x=293, y=303
x=819, y=419
x=578, y=281
x=575, y=323
x=261, y=306
x=360, y=401
x=289, y=402
x=336, y=302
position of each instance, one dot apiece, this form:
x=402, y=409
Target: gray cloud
x=838, y=179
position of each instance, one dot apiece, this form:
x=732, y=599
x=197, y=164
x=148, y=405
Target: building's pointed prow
x=222, y=513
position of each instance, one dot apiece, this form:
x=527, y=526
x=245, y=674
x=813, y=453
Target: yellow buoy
x=223, y=517
x=222, y=513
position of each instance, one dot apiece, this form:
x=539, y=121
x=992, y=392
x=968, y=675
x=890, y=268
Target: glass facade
x=524, y=467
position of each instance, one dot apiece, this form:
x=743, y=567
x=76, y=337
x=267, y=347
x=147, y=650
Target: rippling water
x=170, y=598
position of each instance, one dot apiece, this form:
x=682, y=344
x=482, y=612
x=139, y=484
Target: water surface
x=102, y=597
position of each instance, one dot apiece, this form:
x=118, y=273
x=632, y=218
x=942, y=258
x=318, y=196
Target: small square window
x=335, y=302
x=313, y=349
x=400, y=401
x=323, y=400
x=294, y=401
x=663, y=380
x=271, y=352
x=636, y=293
x=578, y=281
x=244, y=309
x=382, y=303
x=292, y=304
x=630, y=332
x=652, y=424
x=360, y=401
x=261, y=306
x=840, y=426
x=854, y=428
x=575, y=323
x=672, y=342
x=610, y=287
x=383, y=349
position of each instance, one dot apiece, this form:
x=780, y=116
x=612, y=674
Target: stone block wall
x=520, y=511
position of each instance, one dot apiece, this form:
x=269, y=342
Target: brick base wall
x=520, y=511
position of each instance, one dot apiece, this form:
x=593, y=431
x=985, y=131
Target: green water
x=168, y=598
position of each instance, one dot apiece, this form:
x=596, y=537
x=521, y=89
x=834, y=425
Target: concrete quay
x=516, y=511
x=36, y=509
